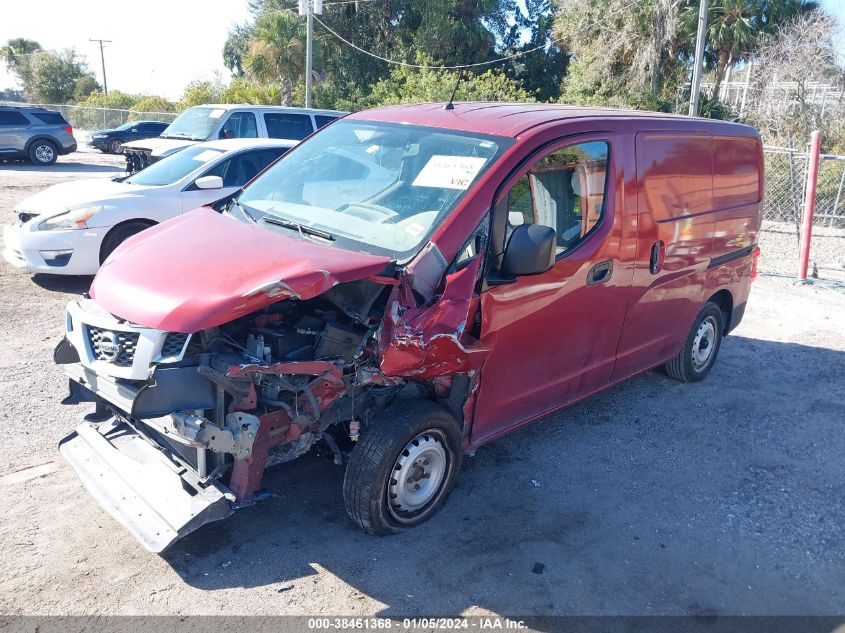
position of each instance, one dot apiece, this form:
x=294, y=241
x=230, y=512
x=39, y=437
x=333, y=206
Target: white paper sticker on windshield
x=449, y=172
x=216, y=113
x=205, y=156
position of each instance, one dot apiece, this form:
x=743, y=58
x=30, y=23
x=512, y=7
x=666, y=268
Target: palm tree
x=732, y=32
x=276, y=52
x=737, y=28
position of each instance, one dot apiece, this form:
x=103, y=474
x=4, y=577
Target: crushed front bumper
x=156, y=498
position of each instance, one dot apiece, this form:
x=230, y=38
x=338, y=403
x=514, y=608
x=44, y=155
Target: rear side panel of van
x=698, y=214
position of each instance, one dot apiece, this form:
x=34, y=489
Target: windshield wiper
x=302, y=228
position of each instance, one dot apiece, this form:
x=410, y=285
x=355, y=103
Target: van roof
x=233, y=106
x=511, y=119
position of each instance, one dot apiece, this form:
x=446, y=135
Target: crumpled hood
x=205, y=269
x=160, y=147
x=73, y=195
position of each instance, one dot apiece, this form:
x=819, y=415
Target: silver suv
x=37, y=134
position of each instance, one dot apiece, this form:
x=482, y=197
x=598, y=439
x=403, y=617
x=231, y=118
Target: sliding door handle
x=658, y=255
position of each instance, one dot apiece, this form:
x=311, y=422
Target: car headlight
x=74, y=219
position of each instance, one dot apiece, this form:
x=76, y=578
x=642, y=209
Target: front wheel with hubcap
x=402, y=469
x=701, y=346
x=43, y=153
x=114, y=146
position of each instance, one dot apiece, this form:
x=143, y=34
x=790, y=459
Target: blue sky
x=837, y=8
x=158, y=45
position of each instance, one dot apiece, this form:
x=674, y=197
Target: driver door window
x=564, y=190
x=239, y=125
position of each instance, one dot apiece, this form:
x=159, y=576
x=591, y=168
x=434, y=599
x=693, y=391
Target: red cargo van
x=407, y=284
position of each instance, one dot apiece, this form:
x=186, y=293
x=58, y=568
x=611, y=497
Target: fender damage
x=309, y=350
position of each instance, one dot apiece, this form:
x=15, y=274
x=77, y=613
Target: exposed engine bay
x=221, y=405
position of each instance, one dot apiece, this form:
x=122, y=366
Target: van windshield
x=378, y=187
x=195, y=124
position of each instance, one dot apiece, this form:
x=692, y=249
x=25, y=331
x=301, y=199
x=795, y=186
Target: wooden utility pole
x=103, y=62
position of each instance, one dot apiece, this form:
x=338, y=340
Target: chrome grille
x=173, y=344
x=127, y=342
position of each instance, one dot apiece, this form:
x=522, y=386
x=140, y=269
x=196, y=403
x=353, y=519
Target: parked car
x=71, y=228
x=36, y=134
x=520, y=259
x=111, y=141
x=209, y=122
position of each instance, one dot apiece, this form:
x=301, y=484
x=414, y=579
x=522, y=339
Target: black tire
x=368, y=479
x=43, y=153
x=118, y=234
x=701, y=347
x=115, y=146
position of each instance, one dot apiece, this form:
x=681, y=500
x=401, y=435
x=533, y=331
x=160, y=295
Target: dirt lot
x=725, y=497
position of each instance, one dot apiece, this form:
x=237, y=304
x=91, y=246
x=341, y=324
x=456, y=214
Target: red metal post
x=809, y=205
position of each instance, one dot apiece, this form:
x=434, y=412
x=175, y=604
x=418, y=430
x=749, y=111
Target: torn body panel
x=424, y=343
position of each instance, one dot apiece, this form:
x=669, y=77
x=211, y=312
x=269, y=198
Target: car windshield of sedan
x=195, y=124
x=174, y=167
x=381, y=188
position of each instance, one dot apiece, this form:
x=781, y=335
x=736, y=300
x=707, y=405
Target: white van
x=221, y=121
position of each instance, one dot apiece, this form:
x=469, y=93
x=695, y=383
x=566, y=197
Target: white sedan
x=70, y=228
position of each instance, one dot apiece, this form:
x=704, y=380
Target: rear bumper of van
x=736, y=316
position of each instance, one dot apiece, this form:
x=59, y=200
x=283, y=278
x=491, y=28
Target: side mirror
x=530, y=250
x=209, y=182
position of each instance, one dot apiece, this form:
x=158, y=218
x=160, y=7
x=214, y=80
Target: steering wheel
x=367, y=211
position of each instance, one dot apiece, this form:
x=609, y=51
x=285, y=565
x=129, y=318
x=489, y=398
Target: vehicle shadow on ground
x=653, y=497
x=75, y=284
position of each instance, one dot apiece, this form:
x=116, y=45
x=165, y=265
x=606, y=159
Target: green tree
x=85, y=85
x=277, y=52
x=150, y=107
x=415, y=85
x=448, y=32
x=242, y=90
x=54, y=76
x=17, y=55
x=622, y=55
x=200, y=91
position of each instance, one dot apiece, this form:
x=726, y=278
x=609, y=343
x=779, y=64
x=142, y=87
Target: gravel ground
x=723, y=497
x=779, y=251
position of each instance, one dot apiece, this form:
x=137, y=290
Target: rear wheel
x=118, y=235
x=114, y=146
x=701, y=346
x=402, y=469
x=43, y=153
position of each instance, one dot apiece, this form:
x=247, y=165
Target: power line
x=460, y=66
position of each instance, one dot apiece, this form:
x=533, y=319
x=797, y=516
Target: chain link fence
x=786, y=181
x=94, y=118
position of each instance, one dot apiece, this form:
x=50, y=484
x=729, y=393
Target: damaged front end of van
x=206, y=373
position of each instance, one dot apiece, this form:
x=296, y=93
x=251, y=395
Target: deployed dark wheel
x=402, y=469
x=114, y=146
x=118, y=234
x=701, y=347
x=43, y=153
